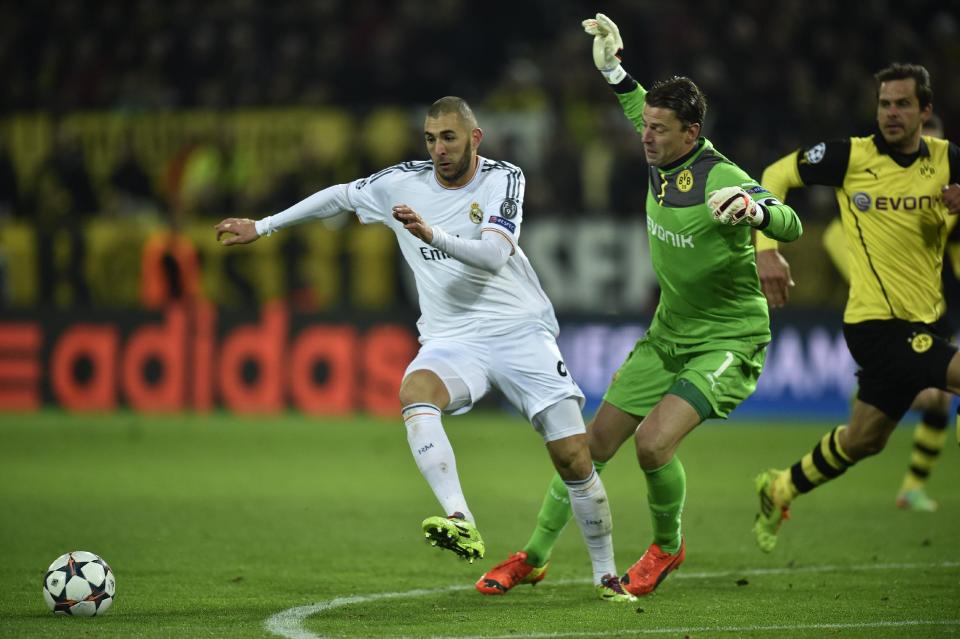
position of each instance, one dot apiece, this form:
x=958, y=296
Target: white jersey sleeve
x=372, y=197
x=326, y=203
x=489, y=253
x=504, y=200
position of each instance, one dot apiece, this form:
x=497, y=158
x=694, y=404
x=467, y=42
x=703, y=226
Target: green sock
x=553, y=516
x=666, y=489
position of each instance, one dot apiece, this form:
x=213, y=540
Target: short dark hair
x=453, y=104
x=682, y=96
x=903, y=71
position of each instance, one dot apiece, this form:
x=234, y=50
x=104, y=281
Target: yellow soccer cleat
x=772, y=512
x=610, y=589
x=456, y=534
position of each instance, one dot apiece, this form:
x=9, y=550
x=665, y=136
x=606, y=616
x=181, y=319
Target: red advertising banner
x=195, y=358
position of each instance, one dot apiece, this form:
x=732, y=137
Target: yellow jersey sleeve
x=778, y=178
x=836, y=246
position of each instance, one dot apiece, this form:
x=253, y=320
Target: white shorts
x=527, y=368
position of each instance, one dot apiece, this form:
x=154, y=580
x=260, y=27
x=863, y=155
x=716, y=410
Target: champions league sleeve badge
x=508, y=209
x=815, y=153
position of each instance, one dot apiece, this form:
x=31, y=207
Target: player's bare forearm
x=951, y=197
x=413, y=222
x=235, y=230
x=775, y=280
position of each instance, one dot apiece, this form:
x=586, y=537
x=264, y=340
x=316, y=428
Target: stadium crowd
x=776, y=74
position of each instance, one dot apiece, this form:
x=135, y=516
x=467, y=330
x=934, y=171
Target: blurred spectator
x=169, y=270
x=9, y=188
x=378, y=62
x=66, y=56
x=630, y=164
x=306, y=176
x=62, y=187
x=213, y=178
x=9, y=208
x=63, y=198
x=131, y=190
x=562, y=192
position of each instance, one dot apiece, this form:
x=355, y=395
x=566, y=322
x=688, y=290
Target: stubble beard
x=464, y=165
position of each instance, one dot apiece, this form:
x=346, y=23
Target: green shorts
x=714, y=379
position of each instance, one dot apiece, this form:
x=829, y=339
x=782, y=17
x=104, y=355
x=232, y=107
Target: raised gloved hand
x=607, y=46
x=733, y=205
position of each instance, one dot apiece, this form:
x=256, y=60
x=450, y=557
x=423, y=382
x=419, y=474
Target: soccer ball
x=79, y=583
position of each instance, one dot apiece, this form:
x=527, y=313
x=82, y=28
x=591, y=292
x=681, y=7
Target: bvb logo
x=921, y=343
x=685, y=180
x=476, y=215
x=927, y=170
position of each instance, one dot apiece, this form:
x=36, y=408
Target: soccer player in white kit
x=484, y=321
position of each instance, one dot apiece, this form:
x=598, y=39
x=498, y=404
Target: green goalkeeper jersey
x=709, y=289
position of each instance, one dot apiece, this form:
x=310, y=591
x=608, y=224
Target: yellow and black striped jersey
x=895, y=222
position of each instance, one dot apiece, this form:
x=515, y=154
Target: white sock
x=434, y=456
x=588, y=499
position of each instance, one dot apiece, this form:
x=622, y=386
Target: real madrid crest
x=921, y=342
x=476, y=215
x=685, y=180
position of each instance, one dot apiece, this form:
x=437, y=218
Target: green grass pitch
x=216, y=524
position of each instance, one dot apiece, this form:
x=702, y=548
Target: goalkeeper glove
x=607, y=46
x=733, y=205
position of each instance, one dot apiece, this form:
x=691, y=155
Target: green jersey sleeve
x=632, y=97
x=780, y=223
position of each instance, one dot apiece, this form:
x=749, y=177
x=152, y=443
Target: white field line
x=646, y=632
x=289, y=623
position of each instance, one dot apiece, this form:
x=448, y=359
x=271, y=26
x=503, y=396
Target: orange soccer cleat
x=509, y=573
x=644, y=576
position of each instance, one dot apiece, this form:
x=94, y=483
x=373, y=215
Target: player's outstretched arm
x=326, y=203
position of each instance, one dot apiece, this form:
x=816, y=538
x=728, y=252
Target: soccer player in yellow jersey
x=933, y=404
x=896, y=190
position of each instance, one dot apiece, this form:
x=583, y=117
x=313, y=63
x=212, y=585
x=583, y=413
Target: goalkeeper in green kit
x=705, y=347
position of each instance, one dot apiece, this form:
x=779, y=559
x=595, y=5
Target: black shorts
x=898, y=359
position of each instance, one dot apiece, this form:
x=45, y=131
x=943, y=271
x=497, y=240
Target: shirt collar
x=883, y=147
x=698, y=146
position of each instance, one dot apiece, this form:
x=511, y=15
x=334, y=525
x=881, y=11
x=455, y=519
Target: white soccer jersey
x=457, y=299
